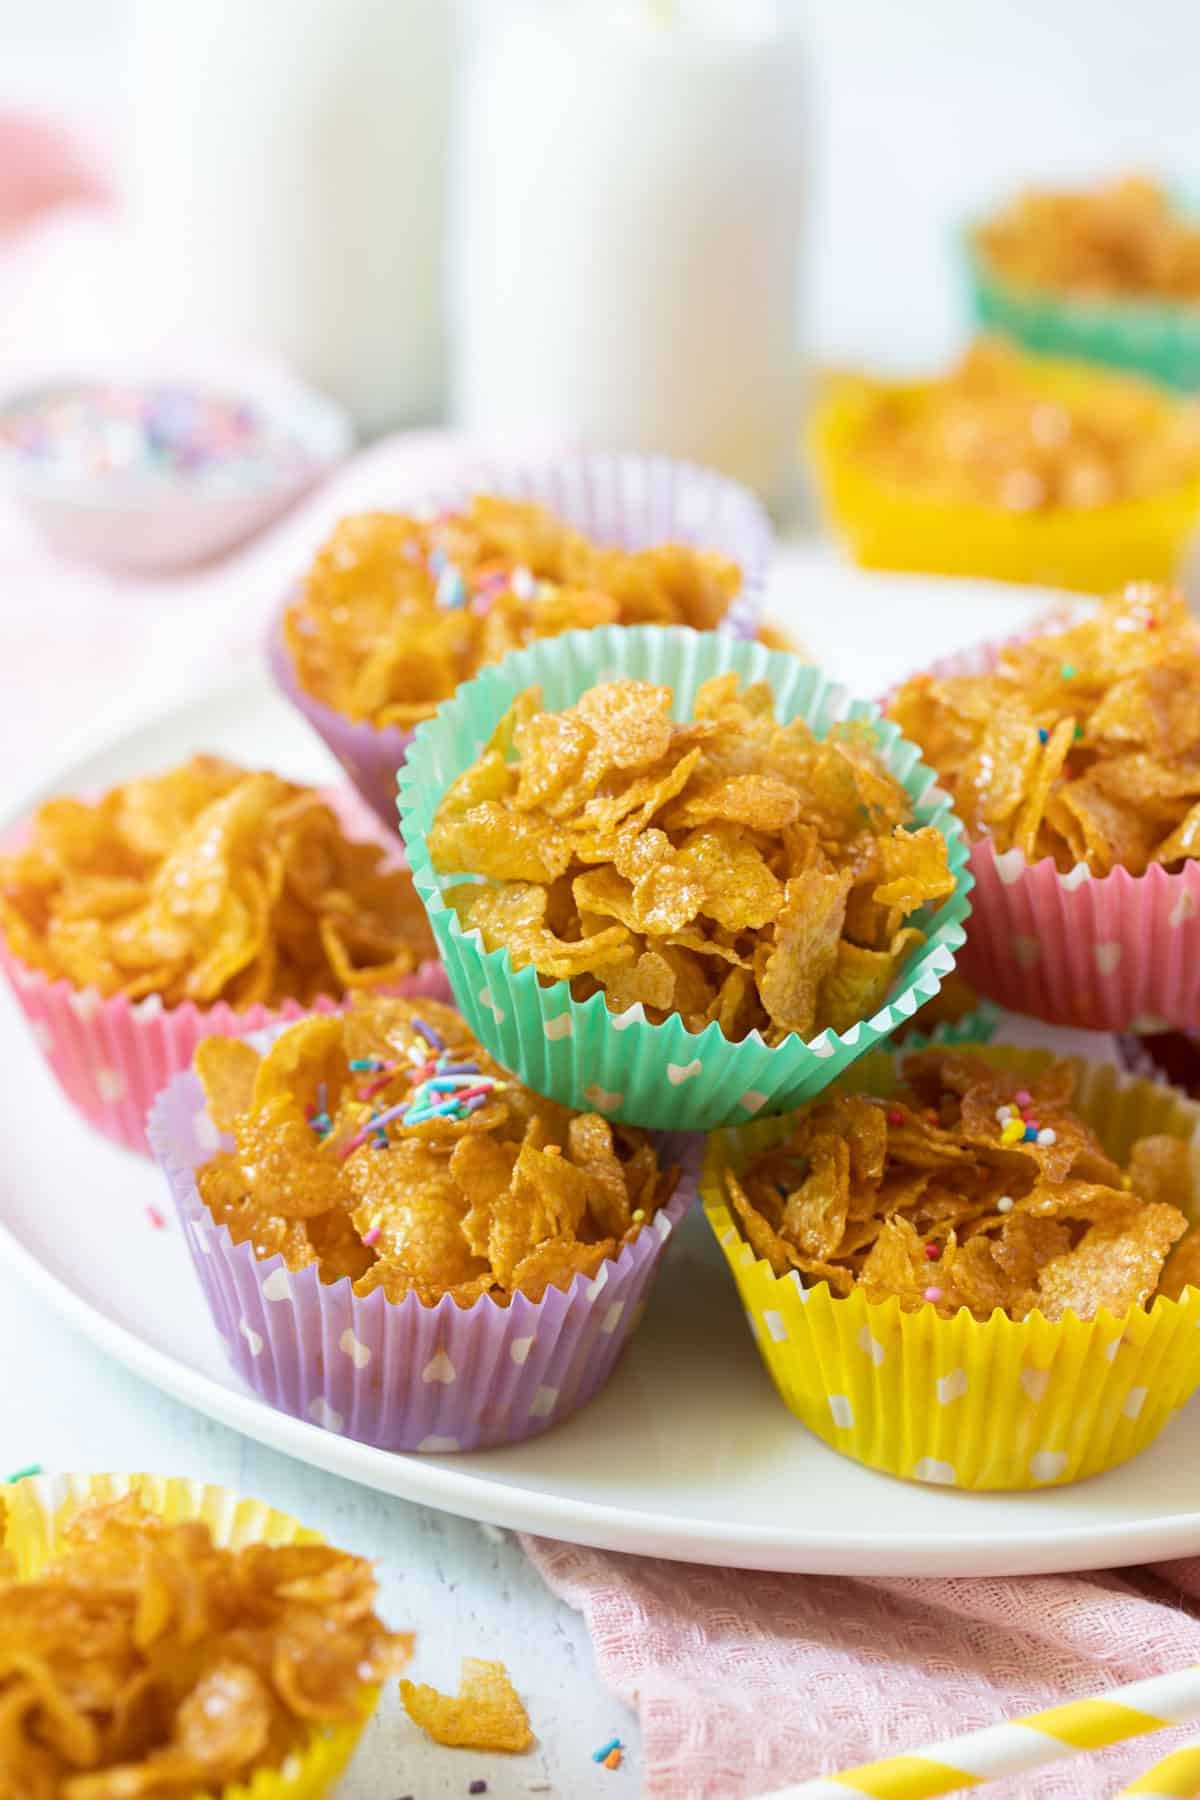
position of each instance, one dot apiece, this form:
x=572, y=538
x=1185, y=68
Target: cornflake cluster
x=148, y=1662
x=210, y=882
x=1082, y=745
x=990, y=433
x=976, y=1188
x=731, y=869
x=1125, y=237
x=385, y=1145
x=398, y=610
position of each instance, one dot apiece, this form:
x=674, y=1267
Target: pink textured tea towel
x=746, y=1682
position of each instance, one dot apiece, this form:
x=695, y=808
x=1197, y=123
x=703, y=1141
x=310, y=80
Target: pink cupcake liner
x=111, y=1057
x=627, y=501
x=405, y=1376
x=1117, y=952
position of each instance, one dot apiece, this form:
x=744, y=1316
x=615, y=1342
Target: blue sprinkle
x=1043, y=734
x=599, y=1755
x=438, y=560
x=1030, y=1136
x=451, y=588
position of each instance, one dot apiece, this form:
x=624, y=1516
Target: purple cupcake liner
x=630, y=502
x=405, y=1376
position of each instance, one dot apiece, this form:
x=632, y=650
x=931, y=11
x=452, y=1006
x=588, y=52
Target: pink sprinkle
x=474, y=1093
x=894, y=1117
x=374, y=1087
x=373, y=1236
x=932, y=1252
x=1024, y=1097
x=933, y=1293
x=156, y=1218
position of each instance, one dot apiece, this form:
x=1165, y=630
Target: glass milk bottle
x=286, y=188
x=629, y=217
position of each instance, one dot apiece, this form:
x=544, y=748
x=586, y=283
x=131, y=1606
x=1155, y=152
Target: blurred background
x=414, y=227
x=912, y=116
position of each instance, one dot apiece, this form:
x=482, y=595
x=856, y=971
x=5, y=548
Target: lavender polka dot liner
x=403, y=1375
x=629, y=502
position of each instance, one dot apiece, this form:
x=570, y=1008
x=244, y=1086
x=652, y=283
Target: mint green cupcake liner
x=578, y=1052
x=1146, y=337
x=975, y=1027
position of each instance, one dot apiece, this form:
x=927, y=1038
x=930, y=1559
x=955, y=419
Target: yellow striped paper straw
x=1021, y=1744
x=1176, y=1777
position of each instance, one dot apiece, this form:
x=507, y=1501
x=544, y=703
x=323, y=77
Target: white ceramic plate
x=688, y=1453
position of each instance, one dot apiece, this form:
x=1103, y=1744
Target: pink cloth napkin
x=747, y=1682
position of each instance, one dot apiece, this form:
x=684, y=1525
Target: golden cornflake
x=398, y=610
x=485, y=1714
x=149, y=1663
x=991, y=433
x=975, y=1188
x=385, y=1145
x=209, y=882
x=1082, y=745
x=731, y=869
x=1122, y=237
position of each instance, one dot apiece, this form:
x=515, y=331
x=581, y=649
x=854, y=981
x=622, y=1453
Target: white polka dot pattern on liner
x=612, y=1317
x=871, y=1345
x=841, y=1412
x=110, y=1085
x=1134, y=1401
x=930, y=1469
x=1035, y=1382
x=43, y=1037
x=349, y=1345
x=633, y=1015
x=519, y=1349
x=1026, y=950
x=1075, y=877
x=439, y=1368
x=776, y=1329
x=678, y=1073
x=1184, y=908
x=561, y=1026
x=543, y=1403
x=951, y=1387
x=752, y=1101
x=85, y=1005
x=598, y=1283
x=431, y=1445
x=277, y=1286
x=601, y=1099
x=1047, y=1465
x=1108, y=957
x=252, y=1337
x=328, y=1417
x=486, y=999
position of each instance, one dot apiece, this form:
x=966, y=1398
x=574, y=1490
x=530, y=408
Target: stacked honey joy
x=668, y=912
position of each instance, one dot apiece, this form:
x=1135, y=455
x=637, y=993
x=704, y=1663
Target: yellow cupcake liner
x=961, y=1402
x=886, y=527
x=40, y=1507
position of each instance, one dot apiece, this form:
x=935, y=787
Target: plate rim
x=426, y=1481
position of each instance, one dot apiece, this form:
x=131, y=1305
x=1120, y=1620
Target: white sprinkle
x=1004, y=1203
x=1047, y=1136
x=1004, y=1113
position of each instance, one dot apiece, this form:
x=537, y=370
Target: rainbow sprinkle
x=23, y=1474
x=606, y=1750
